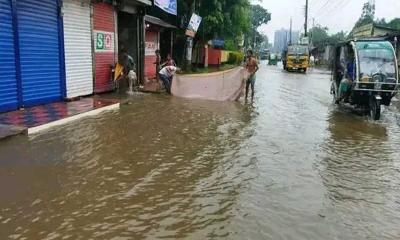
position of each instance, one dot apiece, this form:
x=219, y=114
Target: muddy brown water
x=289, y=166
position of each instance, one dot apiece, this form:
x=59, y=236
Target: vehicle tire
x=375, y=109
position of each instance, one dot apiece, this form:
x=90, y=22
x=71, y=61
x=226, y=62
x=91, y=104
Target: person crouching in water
x=166, y=75
x=125, y=69
x=252, y=68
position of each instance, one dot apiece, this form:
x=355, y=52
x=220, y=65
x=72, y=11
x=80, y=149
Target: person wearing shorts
x=252, y=68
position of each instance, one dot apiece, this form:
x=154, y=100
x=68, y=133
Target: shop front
x=157, y=31
x=31, y=53
x=130, y=31
x=78, y=48
x=8, y=78
x=105, y=52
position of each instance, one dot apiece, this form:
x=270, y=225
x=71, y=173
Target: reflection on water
x=290, y=166
x=159, y=167
x=361, y=173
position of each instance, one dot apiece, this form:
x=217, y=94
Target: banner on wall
x=193, y=26
x=150, y=49
x=169, y=6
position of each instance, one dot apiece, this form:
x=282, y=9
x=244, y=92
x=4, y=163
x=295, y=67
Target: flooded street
x=292, y=165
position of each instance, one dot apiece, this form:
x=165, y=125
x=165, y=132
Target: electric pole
x=312, y=32
x=189, y=41
x=306, y=21
x=290, y=33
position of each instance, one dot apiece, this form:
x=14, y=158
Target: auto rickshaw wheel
x=375, y=108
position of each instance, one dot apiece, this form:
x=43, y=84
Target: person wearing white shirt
x=166, y=74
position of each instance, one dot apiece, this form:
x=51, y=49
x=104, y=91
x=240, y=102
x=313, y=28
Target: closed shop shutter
x=8, y=82
x=38, y=29
x=78, y=48
x=152, y=44
x=104, y=45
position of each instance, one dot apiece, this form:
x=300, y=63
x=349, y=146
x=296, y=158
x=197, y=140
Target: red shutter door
x=104, y=46
x=150, y=55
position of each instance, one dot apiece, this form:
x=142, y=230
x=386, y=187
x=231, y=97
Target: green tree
x=319, y=35
x=259, y=16
x=224, y=18
x=395, y=23
x=367, y=16
x=337, y=37
x=230, y=20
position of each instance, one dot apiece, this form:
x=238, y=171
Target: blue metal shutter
x=8, y=81
x=38, y=28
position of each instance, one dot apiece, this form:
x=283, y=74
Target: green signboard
x=104, y=41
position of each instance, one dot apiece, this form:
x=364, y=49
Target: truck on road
x=296, y=58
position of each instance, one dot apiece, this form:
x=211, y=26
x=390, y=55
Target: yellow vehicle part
x=294, y=62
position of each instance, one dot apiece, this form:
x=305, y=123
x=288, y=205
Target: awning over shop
x=157, y=21
x=145, y=2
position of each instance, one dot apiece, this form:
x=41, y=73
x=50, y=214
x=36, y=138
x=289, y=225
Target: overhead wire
x=331, y=10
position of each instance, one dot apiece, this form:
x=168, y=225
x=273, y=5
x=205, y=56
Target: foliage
x=367, y=16
x=226, y=19
x=320, y=36
x=337, y=37
x=221, y=18
x=264, y=42
x=259, y=16
x=235, y=58
x=230, y=45
x=395, y=23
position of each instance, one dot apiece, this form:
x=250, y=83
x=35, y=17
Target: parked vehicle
x=296, y=58
x=365, y=74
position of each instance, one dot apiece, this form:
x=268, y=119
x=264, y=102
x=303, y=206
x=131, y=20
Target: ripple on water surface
x=289, y=166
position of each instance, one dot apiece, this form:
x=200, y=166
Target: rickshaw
x=273, y=59
x=365, y=74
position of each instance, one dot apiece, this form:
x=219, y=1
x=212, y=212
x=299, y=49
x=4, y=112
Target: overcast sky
x=337, y=15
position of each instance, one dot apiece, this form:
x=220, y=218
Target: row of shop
x=51, y=50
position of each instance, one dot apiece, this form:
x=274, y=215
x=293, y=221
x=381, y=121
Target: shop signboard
x=304, y=41
x=193, y=26
x=151, y=48
x=169, y=6
x=218, y=42
x=104, y=41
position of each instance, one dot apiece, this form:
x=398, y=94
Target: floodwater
x=289, y=166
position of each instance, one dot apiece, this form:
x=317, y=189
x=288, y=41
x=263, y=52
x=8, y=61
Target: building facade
x=51, y=50
x=282, y=39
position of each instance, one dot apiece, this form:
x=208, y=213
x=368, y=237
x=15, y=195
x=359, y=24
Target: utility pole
x=312, y=32
x=306, y=21
x=189, y=41
x=290, y=33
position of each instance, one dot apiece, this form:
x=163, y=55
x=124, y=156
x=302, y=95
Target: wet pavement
x=289, y=166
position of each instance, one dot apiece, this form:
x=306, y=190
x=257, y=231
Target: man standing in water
x=126, y=63
x=252, y=68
